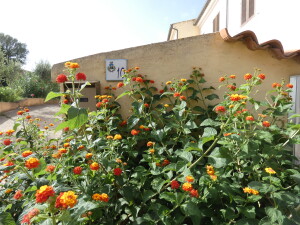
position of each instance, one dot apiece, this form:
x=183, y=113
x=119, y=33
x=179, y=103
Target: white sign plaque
x=115, y=69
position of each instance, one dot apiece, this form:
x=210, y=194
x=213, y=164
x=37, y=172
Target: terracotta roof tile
x=250, y=39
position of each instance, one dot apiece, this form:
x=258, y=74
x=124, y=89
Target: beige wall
x=175, y=59
x=185, y=29
x=7, y=106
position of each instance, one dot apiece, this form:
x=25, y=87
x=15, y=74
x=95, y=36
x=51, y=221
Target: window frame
x=245, y=11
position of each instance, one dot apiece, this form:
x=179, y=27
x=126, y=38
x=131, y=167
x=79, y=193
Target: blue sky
x=61, y=30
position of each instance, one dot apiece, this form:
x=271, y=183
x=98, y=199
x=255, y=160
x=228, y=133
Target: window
x=247, y=10
x=216, y=23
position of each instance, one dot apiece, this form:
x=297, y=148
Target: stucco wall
x=175, y=59
x=184, y=29
x=7, y=106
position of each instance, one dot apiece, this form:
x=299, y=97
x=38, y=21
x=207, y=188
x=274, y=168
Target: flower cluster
x=100, y=197
x=250, y=191
x=32, y=163
x=18, y=195
x=211, y=172
x=65, y=200
x=44, y=193
x=27, y=217
x=269, y=170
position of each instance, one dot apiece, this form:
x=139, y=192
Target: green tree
x=8, y=69
x=43, y=70
x=13, y=49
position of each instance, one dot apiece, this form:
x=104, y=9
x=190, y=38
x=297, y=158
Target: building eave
x=249, y=38
x=202, y=12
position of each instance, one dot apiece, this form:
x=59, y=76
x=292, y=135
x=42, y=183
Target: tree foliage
x=8, y=69
x=13, y=49
x=43, y=70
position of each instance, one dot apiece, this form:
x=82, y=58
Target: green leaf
x=181, y=166
x=248, y=211
x=202, y=80
x=6, y=219
x=41, y=169
x=138, y=106
x=265, y=135
x=158, y=134
x=229, y=213
x=219, y=158
x=193, y=148
x=209, y=131
x=191, y=125
x=185, y=155
x=47, y=222
x=294, y=116
x=274, y=215
x=16, y=125
x=212, y=97
x=52, y=95
x=246, y=221
x=169, y=196
x=199, y=109
x=296, y=177
x=132, y=121
x=147, y=195
x=123, y=94
x=157, y=183
x=167, y=93
x=209, y=88
x=210, y=122
x=62, y=125
x=207, y=139
x=65, y=216
x=76, y=118
x=29, y=189
x=84, y=85
x=2, y=168
x=286, y=199
x=254, y=198
x=191, y=209
x=81, y=207
x=63, y=109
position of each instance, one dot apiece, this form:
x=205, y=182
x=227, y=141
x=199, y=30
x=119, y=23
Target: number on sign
x=120, y=72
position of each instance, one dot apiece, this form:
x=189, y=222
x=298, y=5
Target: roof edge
x=250, y=39
x=202, y=12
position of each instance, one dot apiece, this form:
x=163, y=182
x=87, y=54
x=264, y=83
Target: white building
x=268, y=19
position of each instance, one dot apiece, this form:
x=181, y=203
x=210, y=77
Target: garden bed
x=6, y=106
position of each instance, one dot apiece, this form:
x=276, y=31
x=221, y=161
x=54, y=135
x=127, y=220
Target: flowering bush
x=178, y=158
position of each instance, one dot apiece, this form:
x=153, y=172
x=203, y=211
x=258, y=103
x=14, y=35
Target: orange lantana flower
x=32, y=163
x=43, y=194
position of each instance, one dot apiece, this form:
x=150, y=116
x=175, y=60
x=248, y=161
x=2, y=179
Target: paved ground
x=45, y=112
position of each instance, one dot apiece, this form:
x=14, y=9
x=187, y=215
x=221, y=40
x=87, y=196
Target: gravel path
x=45, y=112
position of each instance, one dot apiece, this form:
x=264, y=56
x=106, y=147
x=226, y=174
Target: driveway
x=45, y=112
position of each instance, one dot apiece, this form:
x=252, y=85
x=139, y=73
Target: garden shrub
x=8, y=94
x=34, y=86
x=177, y=159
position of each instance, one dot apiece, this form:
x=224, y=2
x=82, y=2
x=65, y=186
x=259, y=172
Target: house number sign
x=115, y=69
